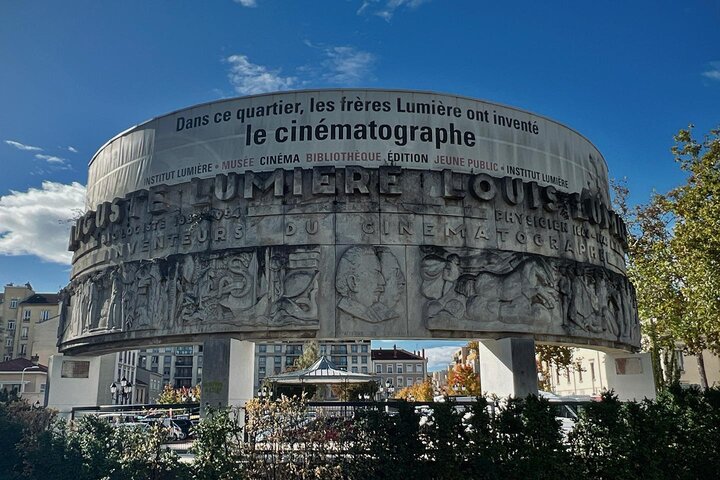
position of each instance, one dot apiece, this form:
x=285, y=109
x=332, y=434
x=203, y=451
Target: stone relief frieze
x=369, y=281
x=268, y=287
x=492, y=290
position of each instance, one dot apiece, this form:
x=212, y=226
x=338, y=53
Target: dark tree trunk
x=701, y=370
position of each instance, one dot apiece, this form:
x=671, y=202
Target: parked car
x=185, y=426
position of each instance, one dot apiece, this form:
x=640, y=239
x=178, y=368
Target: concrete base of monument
x=507, y=367
x=228, y=373
x=79, y=381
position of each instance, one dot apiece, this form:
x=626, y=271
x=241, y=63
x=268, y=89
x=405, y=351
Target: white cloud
x=247, y=3
x=50, y=159
x=385, y=9
x=714, y=72
x=21, y=146
x=440, y=357
x=347, y=65
x=36, y=222
x=72, y=149
x=248, y=78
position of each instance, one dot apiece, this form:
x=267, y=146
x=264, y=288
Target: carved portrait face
x=359, y=275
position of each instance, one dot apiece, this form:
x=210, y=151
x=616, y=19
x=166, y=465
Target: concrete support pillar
x=79, y=381
x=507, y=367
x=228, y=373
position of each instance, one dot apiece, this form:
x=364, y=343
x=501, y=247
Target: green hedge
x=675, y=437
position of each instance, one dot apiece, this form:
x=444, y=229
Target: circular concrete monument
x=348, y=214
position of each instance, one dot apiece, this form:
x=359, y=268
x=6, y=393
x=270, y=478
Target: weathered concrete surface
x=507, y=367
x=370, y=253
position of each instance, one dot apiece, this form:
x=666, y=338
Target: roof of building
x=42, y=298
x=323, y=371
x=20, y=364
x=394, y=354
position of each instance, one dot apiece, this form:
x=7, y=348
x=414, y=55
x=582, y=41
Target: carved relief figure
x=236, y=288
x=294, y=287
x=360, y=283
x=479, y=291
x=524, y=296
x=239, y=289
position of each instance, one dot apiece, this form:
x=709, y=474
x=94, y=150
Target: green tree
x=548, y=357
x=696, y=243
x=310, y=355
x=651, y=266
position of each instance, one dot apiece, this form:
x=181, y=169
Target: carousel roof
x=323, y=371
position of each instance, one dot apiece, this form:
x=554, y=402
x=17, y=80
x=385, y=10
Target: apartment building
x=400, y=367
x=179, y=365
x=21, y=310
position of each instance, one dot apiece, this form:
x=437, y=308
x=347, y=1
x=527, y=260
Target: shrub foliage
x=673, y=437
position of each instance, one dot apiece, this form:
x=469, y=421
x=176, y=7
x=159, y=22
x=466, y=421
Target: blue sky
x=73, y=74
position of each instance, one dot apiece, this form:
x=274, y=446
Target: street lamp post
x=22, y=378
x=265, y=393
x=459, y=389
x=388, y=389
x=123, y=392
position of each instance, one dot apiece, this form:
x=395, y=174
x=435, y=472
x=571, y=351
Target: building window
x=8, y=342
x=364, y=348
x=42, y=388
x=340, y=362
x=363, y=359
x=278, y=348
x=6, y=358
x=389, y=369
x=293, y=350
x=354, y=370
x=354, y=359
x=11, y=325
x=378, y=368
x=338, y=350
x=363, y=370
x=278, y=360
x=183, y=361
x=26, y=316
x=24, y=333
x=592, y=371
x=13, y=303
x=418, y=368
x=580, y=370
x=45, y=315
x=262, y=361
x=399, y=368
x=23, y=349
x=166, y=360
x=400, y=381
x=261, y=371
x=353, y=349
x=262, y=348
